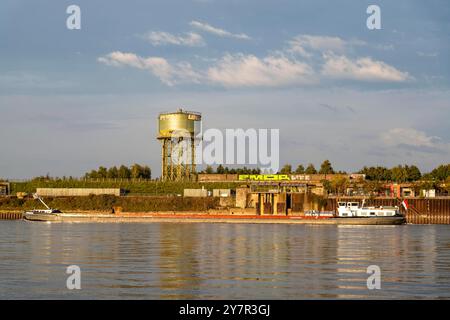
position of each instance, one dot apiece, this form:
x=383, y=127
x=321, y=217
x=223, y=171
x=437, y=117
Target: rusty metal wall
x=11, y=215
x=421, y=211
x=297, y=202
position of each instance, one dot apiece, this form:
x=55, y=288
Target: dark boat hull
x=371, y=221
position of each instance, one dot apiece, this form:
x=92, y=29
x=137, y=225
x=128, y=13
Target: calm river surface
x=222, y=261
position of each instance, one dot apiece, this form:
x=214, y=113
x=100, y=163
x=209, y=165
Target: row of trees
x=406, y=173
x=325, y=168
x=399, y=173
x=440, y=173
x=136, y=171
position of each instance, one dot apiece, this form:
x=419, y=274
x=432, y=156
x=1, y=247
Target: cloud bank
x=409, y=138
x=286, y=67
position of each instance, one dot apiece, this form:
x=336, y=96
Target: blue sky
x=71, y=100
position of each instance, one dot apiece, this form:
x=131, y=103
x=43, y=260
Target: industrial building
x=4, y=188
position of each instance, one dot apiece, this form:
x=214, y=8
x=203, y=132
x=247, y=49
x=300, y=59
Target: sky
x=73, y=100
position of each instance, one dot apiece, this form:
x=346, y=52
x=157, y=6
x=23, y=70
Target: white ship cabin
x=354, y=209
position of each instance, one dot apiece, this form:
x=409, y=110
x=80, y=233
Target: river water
x=222, y=261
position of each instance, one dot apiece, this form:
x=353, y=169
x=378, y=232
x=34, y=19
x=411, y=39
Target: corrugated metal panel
x=221, y=192
x=195, y=193
x=77, y=192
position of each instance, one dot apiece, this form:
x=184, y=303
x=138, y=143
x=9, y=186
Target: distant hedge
x=106, y=202
x=144, y=187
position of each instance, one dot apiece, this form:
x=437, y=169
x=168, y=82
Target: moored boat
x=354, y=213
x=355, y=210
x=48, y=214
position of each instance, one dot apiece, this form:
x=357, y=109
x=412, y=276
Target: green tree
x=146, y=172
x=441, y=173
x=92, y=175
x=220, y=169
x=376, y=173
x=326, y=186
x=102, y=172
x=373, y=187
x=399, y=174
x=113, y=173
x=414, y=173
x=339, y=184
x=124, y=172
x=310, y=169
x=287, y=169
x=209, y=169
x=300, y=169
x=136, y=171
x=326, y=168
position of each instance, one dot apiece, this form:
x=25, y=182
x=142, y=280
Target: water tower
x=177, y=132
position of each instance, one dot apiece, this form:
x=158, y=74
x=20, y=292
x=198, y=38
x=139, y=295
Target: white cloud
x=305, y=44
x=339, y=66
x=160, y=67
x=249, y=70
x=231, y=71
x=280, y=68
x=217, y=31
x=158, y=38
x=302, y=44
x=414, y=139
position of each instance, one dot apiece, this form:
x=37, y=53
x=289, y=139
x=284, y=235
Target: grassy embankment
x=107, y=202
x=144, y=187
x=142, y=196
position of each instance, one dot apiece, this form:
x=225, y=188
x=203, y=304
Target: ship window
x=372, y=213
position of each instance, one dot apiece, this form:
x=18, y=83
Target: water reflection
x=235, y=261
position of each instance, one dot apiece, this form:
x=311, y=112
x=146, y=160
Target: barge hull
x=111, y=218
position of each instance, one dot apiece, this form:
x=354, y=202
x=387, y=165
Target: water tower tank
x=177, y=132
x=172, y=122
